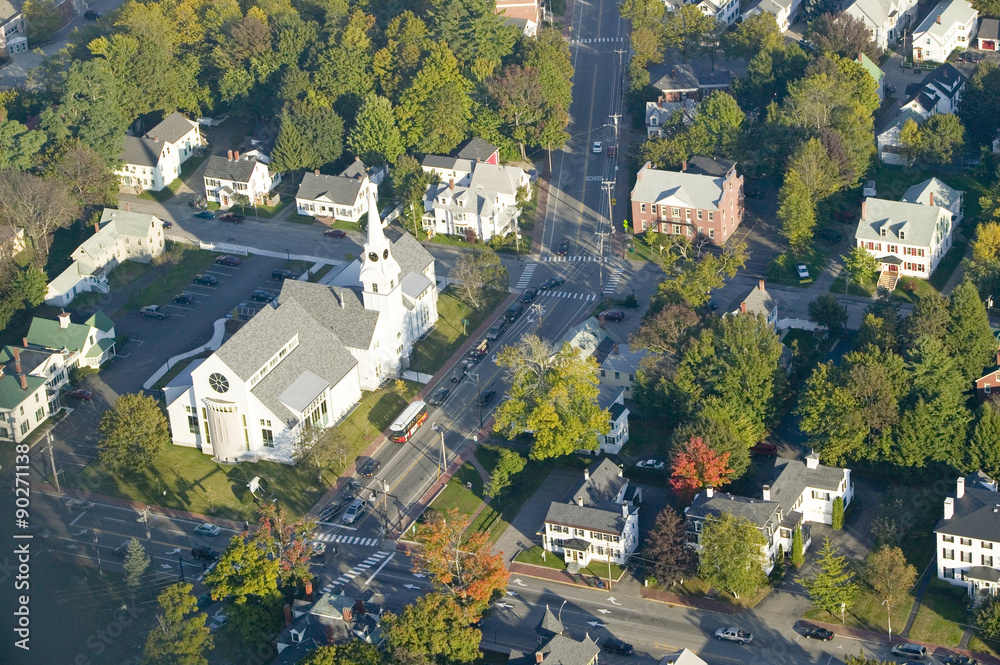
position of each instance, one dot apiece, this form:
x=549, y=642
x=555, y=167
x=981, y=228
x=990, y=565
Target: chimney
x=766, y=492
x=451, y=184
x=24, y=382
x=812, y=460
x=939, y=19
x=17, y=359
x=539, y=656
x=709, y=492
x=659, y=101
x=932, y=198
x=24, y=343
x=63, y=320
x=229, y=154
x=288, y=615
x=236, y=155
x=684, y=165
x=579, y=501
x=998, y=353
x=586, y=473
x=864, y=209
x=960, y=488
x=614, y=350
x=743, y=308
x=760, y=284
x=128, y=207
x=315, y=171
x=949, y=508
x=308, y=589
x=97, y=227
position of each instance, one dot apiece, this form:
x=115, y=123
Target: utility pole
x=440, y=430
x=144, y=519
x=98, y=550
x=52, y=460
x=479, y=399
x=614, y=122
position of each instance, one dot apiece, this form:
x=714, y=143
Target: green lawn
x=980, y=645
x=163, y=195
x=867, y=613
x=430, y=353
x=911, y=290
x=127, y=273
x=942, y=615
x=455, y=495
x=950, y=261
x=555, y=562
x=176, y=369
x=782, y=270
x=855, y=289
x=192, y=262
x=321, y=273
x=301, y=219
x=646, y=439
x=301, y=266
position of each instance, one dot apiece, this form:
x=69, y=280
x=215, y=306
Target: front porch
x=890, y=270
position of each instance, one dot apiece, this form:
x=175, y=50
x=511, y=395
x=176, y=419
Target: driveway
x=530, y=520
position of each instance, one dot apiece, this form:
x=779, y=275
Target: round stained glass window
x=372, y=256
x=219, y=383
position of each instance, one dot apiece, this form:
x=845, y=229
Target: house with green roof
x=30, y=380
x=87, y=344
x=877, y=75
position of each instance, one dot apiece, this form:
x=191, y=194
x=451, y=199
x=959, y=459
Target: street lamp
x=479, y=399
x=440, y=430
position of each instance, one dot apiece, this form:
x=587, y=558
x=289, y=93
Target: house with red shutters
x=702, y=200
x=989, y=383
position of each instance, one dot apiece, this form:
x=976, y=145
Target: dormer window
x=902, y=235
x=882, y=232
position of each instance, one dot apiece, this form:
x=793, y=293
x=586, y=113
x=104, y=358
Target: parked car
x=205, y=214
x=831, y=236
x=354, y=511
x=613, y=315
x=317, y=547
x=168, y=225
x=260, y=295
x=493, y=334
x=765, y=448
x=479, y=351
x=807, y=46
x=78, y=504
x=218, y=621
x=232, y=217
x=891, y=89
x=206, y=279
x=92, y=15
x=954, y=659
x=734, y=635
x=802, y=270
x=204, y=553
x=439, y=396
x=206, y=529
x=183, y=299
x=228, y=260
x=459, y=372
x=651, y=464
x=598, y=146
x=370, y=467
x=563, y=248
x=335, y=233
x=818, y=634
x=909, y=650
x=528, y=295
x=121, y=551
x=551, y=283
x=486, y=397
x=204, y=600
x=615, y=645
x=281, y=274
x=514, y=312
x=80, y=394
x=196, y=201
x=154, y=312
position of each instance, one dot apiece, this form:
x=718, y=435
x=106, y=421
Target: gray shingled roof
x=918, y=221
x=616, y=411
x=679, y=78
x=476, y=149
x=222, y=168
x=793, y=477
x=172, y=128
x=758, y=511
x=449, y=163
x=494, y=178
x=140, y=151
x=944, y=196
x=977, y=515
x=687, y=190
x=339, y=310
x=562, y=650
x=713, y=166
x=989, y=28
x=550, y=625
x=356, y=169
x=625, y=361
x=338, y=189
x=584, y=517
x=984, y=573
x=409, y=253
x=603, y=486
x=758, y=301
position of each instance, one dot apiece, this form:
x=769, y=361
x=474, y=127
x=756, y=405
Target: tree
x=844, y=35
x=888, y=573
x=669, y=558
x=665, y=331
x=725, y=428
x=940, y=137
x=798, y=557
x=549, y=55
x=38, y=205
x=830, y=417
x=467, y=569
x=969, y=333
x=133, y=432
x=753, y=35
x=696, y=466
x=518, y=96
x=435, y=109
x=976, y=111
x=930, y=318
x=718, y=117
x=988, y=618
x=346, y=67
x=89, y=181
x=246, y=571
x=732, y=555
x=355, y=652
x=410, y=181
x=43, y=19
x=910, y=138
x=796, y=212
x=816, y=170
x=838, y=514
x=862, y=660
x=375, y=137
x=983, y=451
x=136, y=563
x=481, y=276
x=554, y=395
x=19, y=146
x=860, y=265
x=508, y=465
x=181, y=636
x=317, y=448
x=829, y=313
x=434, y=627
x=687, y=28
x=984, y=266
x=286, y=541
x=310, y=136
x=30, y=285
x=698, y=277
x=832, y=588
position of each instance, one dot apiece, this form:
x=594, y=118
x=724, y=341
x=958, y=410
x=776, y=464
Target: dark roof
x=977, y=515
x=172, y=128
x=603, y=350
x=794, y=477
x=223, y=168
x=336, y=188
x=448, y=163
x=946, y=77
x=584, y=517
x=713, y=166
x=758, y=301
x=562, y=650
x=616, y=411
x=578, y=544
x=476, y=149
x=984, y=573
x=602, y=487
x=356, y=169
x=140, y=151
x=679, y=78
x=989, y=28
x=758, y=511
x=549, y=626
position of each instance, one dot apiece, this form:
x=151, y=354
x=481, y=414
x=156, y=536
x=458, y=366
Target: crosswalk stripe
x=612, y=285
x=526, y=275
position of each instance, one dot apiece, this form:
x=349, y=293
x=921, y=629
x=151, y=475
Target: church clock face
x=219, y=383
x=385, y=254
x=372, y=256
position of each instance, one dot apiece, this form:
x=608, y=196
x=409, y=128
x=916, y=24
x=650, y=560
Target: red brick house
x=704, y=198
x=989, y=383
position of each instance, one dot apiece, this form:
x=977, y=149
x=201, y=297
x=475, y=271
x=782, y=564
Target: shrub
x=838, y=513
x=798, y=556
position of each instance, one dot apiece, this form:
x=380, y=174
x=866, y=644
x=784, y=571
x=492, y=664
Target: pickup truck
x=232, y=217
x=154, y=312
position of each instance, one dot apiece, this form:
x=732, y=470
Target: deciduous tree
x=670, y=559
x=133, y=432
x=19, y=147
x=355, y=652
x=832, y=588
x=38, y=205
x=481, y=276
x=755, y=34
x=719, y=118
x=434, y=627
x=286, y=541
x=375, y=137
x=941, y=137
x=517, y=93
x=42, y=18
x=796, y=212
x=732, y=555
x=860, y=265
x=844, y=35
x=697, y=277
x=829, y=313
x=435, y=109
x=695, y=466
x=246, y=572
x=830, y=418
x=687, y=28
x=988, y=619
x=508, y=465
x=888, y=573
x=180, y=636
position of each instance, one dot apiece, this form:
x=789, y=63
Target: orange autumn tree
x=696, y=465
x=467, y=568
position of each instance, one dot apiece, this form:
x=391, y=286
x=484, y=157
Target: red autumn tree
x=696, y=466
x=467, y=568
x=286, y=541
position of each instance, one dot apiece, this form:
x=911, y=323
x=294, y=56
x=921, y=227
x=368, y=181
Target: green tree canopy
x=180, y=636
x=434, y=110
x=375, y=137
x=310, y=136
x=43, y=19
x=435, y=628
x=832, y=588
x=796, y=212
x=481, y=276
x=133, y=432
x=136, y=563
x=969, y=333
x=732, y=555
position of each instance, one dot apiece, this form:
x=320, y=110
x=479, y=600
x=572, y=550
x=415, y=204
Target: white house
x=785, y=12
x=304, y=359
x=940, y=92
x=472, y=195
x=724, y=11
x=599, y=522
x=968, y=537
x=951, y=24
x=886, y=20
x=153, y=161
x=84, y=345
x=660, y=113
x=800, y=494
x=619, y=368
x=934, y=192
x=612, y=399
x=245, y=174
x=888, y=142
x=908, y=239
x=343, y=197
x=121, y=235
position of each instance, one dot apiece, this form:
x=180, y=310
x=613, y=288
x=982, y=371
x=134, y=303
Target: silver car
x=354, y=511
x=734, y=634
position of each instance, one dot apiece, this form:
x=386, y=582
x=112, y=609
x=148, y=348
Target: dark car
x=335, y=233
x=615, y=645
x=818, y=634
x=121, y=551
x=563, y=248
x=282, y=274
x=765, y=448
x=613, y=315
x=496, y=330
x=260, y=295
x=183, y=299
x=168, y=225
x=207, y=280
x=80, y=394
x=831, y=236
x=514, y=312
x=486, y=397
x=953, y=659
x=204, y=553
x=370, y=467
x=479, y=351
x=439, y=396
x=92, y=15
x=232, y=217
x=528, y=295
x=205, y=214
x=461, y=369
x=551, y=283
x=228, y=260
x=196, y=201
x=807, y=46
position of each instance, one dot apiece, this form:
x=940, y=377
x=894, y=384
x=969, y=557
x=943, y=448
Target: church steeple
x=379, y=270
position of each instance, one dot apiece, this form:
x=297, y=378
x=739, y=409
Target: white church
x=305, y=358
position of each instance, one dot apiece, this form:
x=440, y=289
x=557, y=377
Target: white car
x=79, y=504
x=207, y=529
x=218, y=621
x=354, y=511
x=803, y=271
x=651, y=464
x=734, y=635
x=598, y=146
x=318, y=547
